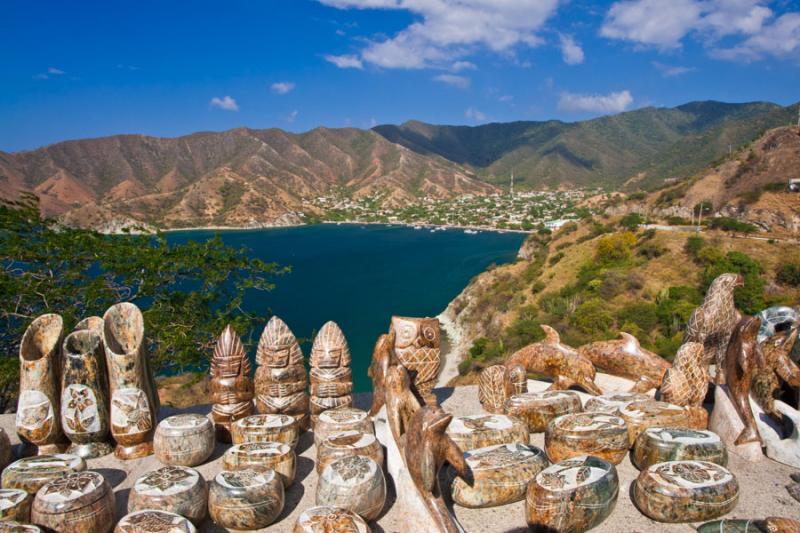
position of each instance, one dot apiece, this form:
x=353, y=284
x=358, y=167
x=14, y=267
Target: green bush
x=749, y=298
x=555, y=258
x=677, y=221
x=693, y=245
x=651, y=250
x=788, y=274
x=615, y=248
x=643, y=314
x=591, y=317
x=731, y=224
x=631, y=221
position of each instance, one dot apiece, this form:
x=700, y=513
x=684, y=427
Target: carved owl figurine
x=417, y=346
x=331, y=377
x=231, y=387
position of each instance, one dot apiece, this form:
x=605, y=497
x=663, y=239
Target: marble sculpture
x=625, y=357
x=417, y=347
x=231, y=387
x=331, y=377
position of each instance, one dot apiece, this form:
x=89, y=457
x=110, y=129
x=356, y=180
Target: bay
x=361, y=275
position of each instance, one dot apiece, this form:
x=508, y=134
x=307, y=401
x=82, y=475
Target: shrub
x=788, y=274
x=693, y=245
x=651, y=250
x=484, y=349
x=612, y=285
x=731, y=224
x=631, y=221
x=643, y=314
x=555, y=259
x=677, y=221
x=615, y=248
x=569, y=227
x=538, y=287
x=592, y=317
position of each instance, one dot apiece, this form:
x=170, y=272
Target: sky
x=88, y=69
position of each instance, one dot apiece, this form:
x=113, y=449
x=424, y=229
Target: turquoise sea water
x=359, y=276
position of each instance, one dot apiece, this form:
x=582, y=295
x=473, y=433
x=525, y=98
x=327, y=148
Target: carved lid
x=71, y=492
x=41, y=468
x=351, y=471
x=587, y=425
x=265, y=422
x=612, y=402
x=9, y=526
x=544, y=398
x=669, y=437
x=504, y=456
x=342, y=416
x=152, y=521
x=167, y=481
x=349, y=440
x=250, y=452
x=572, y=474
x=324, y=518
x=253, y=485
x=10, y=498
x=645, y=409
x=184, y=424
x=478, y=423
x=696, y=480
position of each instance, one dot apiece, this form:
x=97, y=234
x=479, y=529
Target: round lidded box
x=573, y=495
x=610, y=403
x=348, y=443
x=685, y=491
x=598, y=434
x=245, y=499
x=185, y=440
x=537, y=409
x=262, y=456
x=479, y=431
x=659, y=445
x=341, y=419
x=266, y=428
x=11, y=526
x=176, y=489
x=644, y=414
x=31, y=473
x=324, y=518
x=355, y=483
x=78, y=502
x=501, y=475
x=15, y=504
x=153, y=521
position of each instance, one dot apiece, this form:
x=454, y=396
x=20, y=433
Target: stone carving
x=5, y=449
x=650, y=413
x=598, y=434
x=355, y=483
x=778, y=369
x=38, y=421
x=82, y=502
x=498, y=383
x=324, y=519
x=262, y=456
x=134, y=397
x=659, y=445
x=331, y=377
x=281, y=379
x=231, y=388
x=341, y=419
x=84, y=400
x=417, y=346
x=31, y=473
x=743, y=356
x=150, y=521
x=186, y=440
x=537, y=409
x=685, y=491
x=712, y=323
x=176, y=489
x=775, y=524
x=15, y=504
x=558, y=361
x=427, y=448
x=382, y=358
x=245, y=499
x=11, y=526
x=573, y=495
x=479, y=431
x=686, y=383
x=611, y=403
x=348, y=443
x=625, y=357
x=401, y=402
x=775, y=320
x=266, y=428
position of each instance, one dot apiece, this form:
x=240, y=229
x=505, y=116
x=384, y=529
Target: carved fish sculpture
x=625, y=357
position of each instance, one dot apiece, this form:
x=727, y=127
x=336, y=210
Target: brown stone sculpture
x=401, y=402
x=686, y=383
x=175, y=489
x=82, y=502
x=743, y=356
x=382, y=358
x=417, y=346
x=323, y=519
x=775, y=524
x=712, y=323
x=427, y=448
x=498, y=383
x=558, y=361
x=231, y=387
x=331, y=377
x=281, y=379
x=626, y=358
x=779, y=369
x=38, y=421
x=134, y=397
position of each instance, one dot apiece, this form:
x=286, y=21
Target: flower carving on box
x=334, y=521
x=352, y=467
x=130, y=411
x=166, y=478
x=153, y=522
x=80, y=411
x=71, y=486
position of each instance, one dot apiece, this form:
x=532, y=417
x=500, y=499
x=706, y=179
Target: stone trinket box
x=501, y=474
x=177, y=489
x=31, y=473
x=355, y=483
x=573, y=495
x=15, y=504
x=11, y=526
x=152, y=521
x=266, y=428
x=348, y=443
x=341, y=419
x=262, y=456
x=479, y=431
x=685, y=491
x=245, y=499
x=537, y=409
x=659, y=445
x=184, y=440
x=598, y=434
x=610, y=403
x=334, y=519
x=651, y=413
x=82, y=502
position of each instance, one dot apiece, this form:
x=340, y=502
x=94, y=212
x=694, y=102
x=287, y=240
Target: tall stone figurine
x=331, y=377
x=38, y=421
x=417, y=346
x=231, y=386
x=713, y=322
x=743, y=356
x=686, y=383
x=134, y=397
x=401, y=402
x=498, y=383
x=382, y=358
x=779, y=369
x=84, y=394
x=281, y=378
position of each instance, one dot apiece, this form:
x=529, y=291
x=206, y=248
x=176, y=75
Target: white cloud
x=780, y=39
x=291, y=117
x=475, y=115
x=55, y=71
x=450, y=29
x=345, y=61
x=51, y=71
x=458, y=66
x=670, y=71
x=282, y=87
x=462, y=82
x=596, y=103
x=506, y=98
x=226, y=102
x=571, y=51
x=652, y=22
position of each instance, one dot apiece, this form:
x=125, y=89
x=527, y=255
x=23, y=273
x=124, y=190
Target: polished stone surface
x=598, y=434
x=152, y=521
x=245, y=499
x=659, y=445
x=82, y=502
x=31, y=473
x=185, y=440
x=177, y=489
x=537, y=409
x=355, y=483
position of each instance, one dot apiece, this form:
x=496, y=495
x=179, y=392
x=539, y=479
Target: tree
x=187, y=292
x=615, y=248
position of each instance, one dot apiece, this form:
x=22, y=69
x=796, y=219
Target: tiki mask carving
x=331, y=377
x=231, y=387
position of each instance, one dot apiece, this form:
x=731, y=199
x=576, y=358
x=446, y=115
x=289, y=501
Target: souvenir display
x=262, y=456
x=151, y=521
x=11, y=526
x=598, y=434
x=231, y=387
x=779, y=369
x=537, y=409
x=331, y=377
x=184, y=440
x=31, y=473
x=5, y=449
x=401, y=402
x=417, y=347
x=479, y=431
x=348, y=443
x=82, y=502
x=176, y=489
x=355, y=483
x=245, y=499
x=659, y=445
x=266, y=428
x=625, y=357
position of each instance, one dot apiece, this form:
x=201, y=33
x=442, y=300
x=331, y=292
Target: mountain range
x=245, y=177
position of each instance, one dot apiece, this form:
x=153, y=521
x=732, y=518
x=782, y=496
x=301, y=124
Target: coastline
x=349, y=223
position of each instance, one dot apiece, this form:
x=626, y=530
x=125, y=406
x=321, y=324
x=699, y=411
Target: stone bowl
x=15, y=504
x=537, y=409
x=319, y=518
x=31, y=473
x=175, y=489
x=245, y=499
x=479, y=431
x=644, y=414
x=348, y=443
x=262, y=456
x=598, y=434
x=12, y=526
x=153, y=521
x=184, y=440
x=659, y=445
x=266, y=428
x=611, y=403
x=341, y=419
x=355, y=483
x=81, y=502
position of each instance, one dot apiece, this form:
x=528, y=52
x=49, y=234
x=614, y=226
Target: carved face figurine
x=417, y=346
x=330, y=349
x=278, y=347
x=231, y=388
x=331, y=377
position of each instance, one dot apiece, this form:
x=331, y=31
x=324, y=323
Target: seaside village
x=607, y=435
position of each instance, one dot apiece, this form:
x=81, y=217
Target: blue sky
x=86, y=69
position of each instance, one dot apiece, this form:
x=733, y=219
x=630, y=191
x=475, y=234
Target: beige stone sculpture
x=231, y=387
x=743, y=356
x=713, y=322
x=417, y=346
x=686, y=383
x=382, y=358
x=779, y=369
x=401, y=402
x=560, y=362
x=281, y=379
x=331, y=377
x=498, y=383
x=625, y=357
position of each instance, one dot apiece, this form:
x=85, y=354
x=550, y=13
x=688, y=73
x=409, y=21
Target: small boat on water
x=470, y=232
x=417, y=227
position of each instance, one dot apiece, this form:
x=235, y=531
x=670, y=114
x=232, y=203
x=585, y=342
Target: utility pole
x=512, y=184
